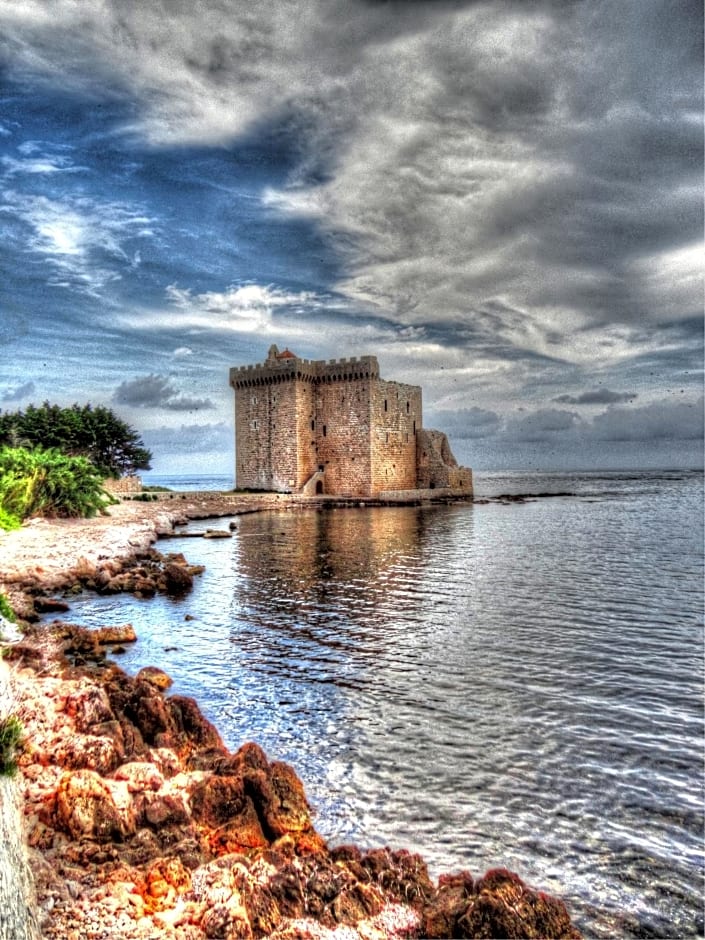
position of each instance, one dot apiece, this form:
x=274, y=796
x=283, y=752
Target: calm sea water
x=515, y=684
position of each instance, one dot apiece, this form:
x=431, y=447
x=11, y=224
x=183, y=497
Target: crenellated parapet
x=285, y=367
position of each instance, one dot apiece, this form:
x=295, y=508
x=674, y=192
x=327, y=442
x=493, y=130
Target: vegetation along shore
x=137, y=820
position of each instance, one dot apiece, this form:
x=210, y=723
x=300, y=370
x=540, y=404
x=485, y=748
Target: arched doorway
x=319, y=487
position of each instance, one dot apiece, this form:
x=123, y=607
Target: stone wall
x=125, y=486
x=396, y=417
x=343, y=434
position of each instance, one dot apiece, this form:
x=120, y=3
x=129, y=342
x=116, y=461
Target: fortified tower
x=335, y=427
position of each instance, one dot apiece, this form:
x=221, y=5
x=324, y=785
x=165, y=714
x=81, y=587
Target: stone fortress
x=336, y=428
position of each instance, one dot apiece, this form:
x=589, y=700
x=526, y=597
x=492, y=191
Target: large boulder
x=85, y=809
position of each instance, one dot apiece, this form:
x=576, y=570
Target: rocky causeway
x=137, y=820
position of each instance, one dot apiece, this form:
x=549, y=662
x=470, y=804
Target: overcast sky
x=501, y=200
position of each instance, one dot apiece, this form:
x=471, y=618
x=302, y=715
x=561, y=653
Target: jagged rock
x=279, y=799
x=156, y=677
x=145, y=587
x=504, y=906
x=90, y=752
x=119, y=633
x=197, y=734
x=443, y=911
x=140, y=776
x=85, y=808
x=164, y=810
x=221, y=806
x=199, y=841
x=226, y=921
x=165, y=880
x=178, y=580
x=89, y=706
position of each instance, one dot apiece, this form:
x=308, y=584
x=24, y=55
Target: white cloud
x=41, y=165
x=82, y=239
x=246, y=309
x=182, y=352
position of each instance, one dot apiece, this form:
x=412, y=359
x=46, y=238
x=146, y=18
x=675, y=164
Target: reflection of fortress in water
x=336, y=428
x=328, y=571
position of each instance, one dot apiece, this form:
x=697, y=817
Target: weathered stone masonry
x=335, y=427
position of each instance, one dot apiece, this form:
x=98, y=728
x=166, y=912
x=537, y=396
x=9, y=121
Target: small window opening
x=385, y=404
x=325, y=430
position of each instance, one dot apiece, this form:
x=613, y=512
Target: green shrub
x=49, y=483
x=8, y=521
x=5, y=610
x=11, y=737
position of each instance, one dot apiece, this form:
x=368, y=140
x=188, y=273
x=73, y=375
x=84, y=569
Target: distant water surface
x=514, y=684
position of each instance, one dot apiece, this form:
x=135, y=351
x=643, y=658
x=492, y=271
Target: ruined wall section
x=396, y=418
x=436, y=466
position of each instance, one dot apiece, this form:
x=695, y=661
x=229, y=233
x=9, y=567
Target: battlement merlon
x=281, y=367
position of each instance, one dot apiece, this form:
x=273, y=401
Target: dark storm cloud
x=598, y=396
x=466, y=423
x=156, y=391
x=657, y=421
x=541, y=425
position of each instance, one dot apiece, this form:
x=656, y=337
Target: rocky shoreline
x=141, y=824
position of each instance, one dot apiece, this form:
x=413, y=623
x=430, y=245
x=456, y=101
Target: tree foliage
x=97, y=434
x=49, y=483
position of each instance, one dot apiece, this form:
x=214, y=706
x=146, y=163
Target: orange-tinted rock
x=140, y=775
x=194, y=727
x=165, y=880
x=178, y=580
x=180, y=803
x=504, y=906
x=89, y=706
x=91, y=752
x=119, y=633
x=85, y=809
x=449, y=903
x=155, y=676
